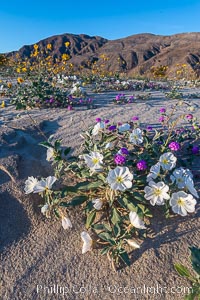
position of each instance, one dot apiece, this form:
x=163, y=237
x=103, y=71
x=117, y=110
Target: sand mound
x=42, y=261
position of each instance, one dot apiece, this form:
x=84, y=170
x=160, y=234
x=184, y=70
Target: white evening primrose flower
x=136, y=221
x=66, y=223
x=167, y=161
x=189, y=184
x=182, y=203
x=154, y=172
x=133, y=243
x=156, y=193
x=44, y=184
x=30, y=184
x=120, y=178
x=87, y=242
x=97, y=203
x=98, y=127
x=136, y=137
x=179, y=176
x=44, y=209
x=124, y=127
x=50, y=154
x=94, y=161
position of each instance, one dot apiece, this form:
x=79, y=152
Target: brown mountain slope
x=134, y=54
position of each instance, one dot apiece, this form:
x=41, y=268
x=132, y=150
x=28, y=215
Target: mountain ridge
x=134, y=54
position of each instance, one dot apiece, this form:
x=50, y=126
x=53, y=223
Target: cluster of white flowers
x=157, y=193
x=136, y=137
x=32, y=185
x=94, y=161
x=98, y=128
x=77, y=88
x=120, y=178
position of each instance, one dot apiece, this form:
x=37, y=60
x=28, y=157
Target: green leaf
x=123, y=202
x=78, y=200
x=117, y=230
x=115, y=216
x=132, y=207
x=182, y=270
x=110, y=139
x=105, y=250
x=46, y=144
x=57, y=143
x=142, y=207
x=156, y=136
x=98, y=226
x=81, y=186
x=138, y=196
x=125, y=258
x=56, y=213
x=195, y=259
x=85, y=173
x=67, y=150
x=101, y=177
x=107, y=227
x=106, y=237
x=89, y=185
x=90, y=219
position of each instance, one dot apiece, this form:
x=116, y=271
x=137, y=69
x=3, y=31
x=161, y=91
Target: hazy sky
x=26, y=22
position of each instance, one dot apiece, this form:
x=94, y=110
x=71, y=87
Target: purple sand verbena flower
x=162, y=119
x=135, y=118
x=124, y=151
x=149, y=128
x=119, y=159
x=162, y=110
x=106, y=121
x=98, y=120
x=51, y=100
x=141, y=165
x=112, y=127
x=174, y=146
x=195, y=149
x=118, y=97
x=189, y=116
x=69, y=107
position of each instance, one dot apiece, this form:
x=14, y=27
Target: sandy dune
x=40, y=260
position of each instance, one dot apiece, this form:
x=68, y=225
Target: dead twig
x=7, y=172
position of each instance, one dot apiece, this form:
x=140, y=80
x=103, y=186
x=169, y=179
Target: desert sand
x=39, y=259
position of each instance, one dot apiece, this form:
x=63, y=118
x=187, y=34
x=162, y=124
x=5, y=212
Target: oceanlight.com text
x=112, y=289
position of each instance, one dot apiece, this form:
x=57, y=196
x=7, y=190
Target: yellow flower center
x=95, y=160
x=157, y=192
x=165, y=161
x=119, y=179
x=180, y=180
x=180, y=202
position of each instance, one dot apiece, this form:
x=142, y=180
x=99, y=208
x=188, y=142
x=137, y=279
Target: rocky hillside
x=134, y=54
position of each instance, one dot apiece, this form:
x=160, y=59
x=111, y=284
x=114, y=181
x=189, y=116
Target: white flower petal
x=66, y=223
x=87, y=242
x=133, y=243
x=50, y=154
x=136, y=221
x=50, y=181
